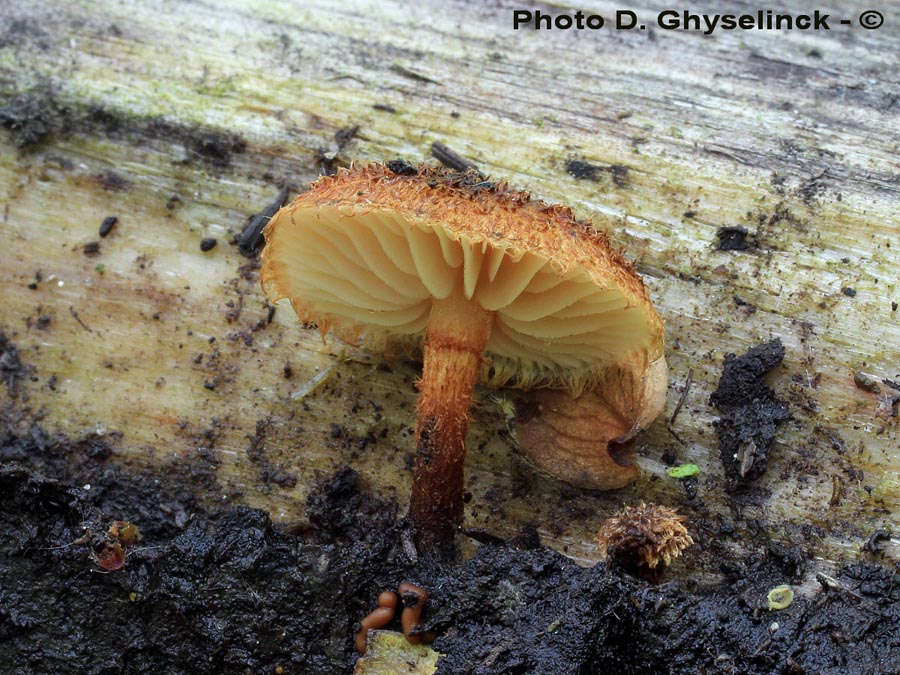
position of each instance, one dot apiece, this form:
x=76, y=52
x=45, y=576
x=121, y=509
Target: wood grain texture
x=181, y=118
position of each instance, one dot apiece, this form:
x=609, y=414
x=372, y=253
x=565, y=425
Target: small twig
x=833, y=584
x=681, y=400
x=893, y=385
x=762, y=647
x=78, y=319
x=837, y=491
x=876, y=539
x=773, y=628
x=314, y=383
x=409, y=547
x=675, y=435
x=684, y=393
x=724, y=153
x=250, y=239
x=412, y=74
x=451, y=159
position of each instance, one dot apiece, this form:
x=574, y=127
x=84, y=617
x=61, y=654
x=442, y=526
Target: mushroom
x=643, y=539
x=489, y=283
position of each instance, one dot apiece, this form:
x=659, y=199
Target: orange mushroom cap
x=364, y=254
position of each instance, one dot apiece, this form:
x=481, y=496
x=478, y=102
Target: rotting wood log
x=184, y=119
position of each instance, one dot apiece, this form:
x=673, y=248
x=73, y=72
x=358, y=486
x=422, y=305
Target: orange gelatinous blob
x=414, y=598
x=378, y=618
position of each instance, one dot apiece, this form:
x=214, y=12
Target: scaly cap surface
x=364, y=252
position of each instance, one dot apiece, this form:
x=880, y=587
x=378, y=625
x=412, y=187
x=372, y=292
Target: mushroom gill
x=375, y=275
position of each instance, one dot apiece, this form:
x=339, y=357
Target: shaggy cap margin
x=467, y=206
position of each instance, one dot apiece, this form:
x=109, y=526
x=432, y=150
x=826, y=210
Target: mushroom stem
x=455, y=338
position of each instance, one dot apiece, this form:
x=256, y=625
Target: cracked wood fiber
x=183, y=119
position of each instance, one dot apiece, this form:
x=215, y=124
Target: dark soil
x=229, y=592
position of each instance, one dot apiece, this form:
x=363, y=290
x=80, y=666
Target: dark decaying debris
x=250, y=240
x=582, y=170
x=893, y=385
x=107, y=225
x=811, y=188
x=30, y=117
x=732, y=238
x=343, y=136
x=357, y=510
x=269, y=472
x=229, y=592
x=750, y=409
x=888, y=403
x=876, y=541
x=211, y=591
x=401, y=167
x=749, y=307
x=112, y=180
x=865, y=382
x=34, y=115
x=786, y=560
x=619, y=173
x=216, y=148
x=887, y=406
x=530, y=611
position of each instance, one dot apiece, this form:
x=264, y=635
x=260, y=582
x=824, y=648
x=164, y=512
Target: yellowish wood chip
x=389, y=653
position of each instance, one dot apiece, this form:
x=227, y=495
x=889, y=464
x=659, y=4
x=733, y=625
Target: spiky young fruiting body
x=457, y=332
x=644, y=539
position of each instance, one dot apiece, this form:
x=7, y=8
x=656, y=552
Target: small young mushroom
x=488, y=282
x=644, y=539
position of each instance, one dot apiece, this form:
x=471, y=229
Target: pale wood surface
x=793, y=135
